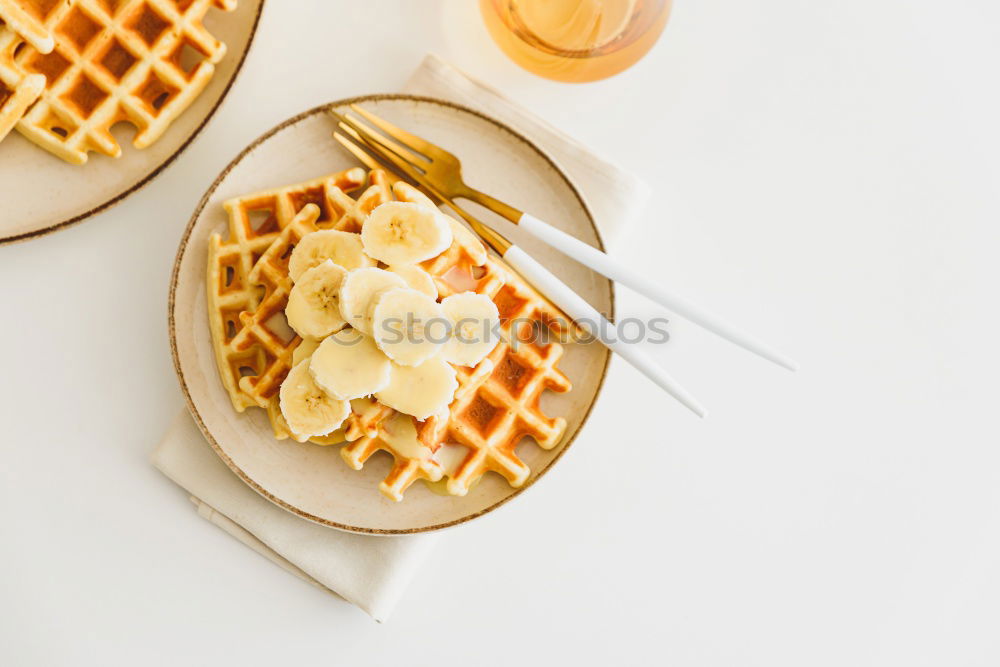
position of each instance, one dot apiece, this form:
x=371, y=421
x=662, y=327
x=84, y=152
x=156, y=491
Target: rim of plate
x=69, y=222
x=175, y=273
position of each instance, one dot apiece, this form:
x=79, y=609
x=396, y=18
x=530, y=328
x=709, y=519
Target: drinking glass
x=575, y=40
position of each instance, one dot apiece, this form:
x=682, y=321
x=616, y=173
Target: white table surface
x=825, y=173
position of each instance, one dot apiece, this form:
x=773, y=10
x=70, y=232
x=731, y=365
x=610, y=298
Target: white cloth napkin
x=368, y=571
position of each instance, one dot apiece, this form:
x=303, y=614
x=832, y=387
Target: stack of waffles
x=71, y=69
x=496, y=404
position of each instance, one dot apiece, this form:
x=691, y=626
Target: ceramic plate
x=313, y=481
x=41, y=193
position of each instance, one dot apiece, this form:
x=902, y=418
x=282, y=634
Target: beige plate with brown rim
x=41, y=193
x=313, y=481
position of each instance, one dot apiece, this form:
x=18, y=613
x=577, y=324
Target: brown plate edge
x=173, y=289
x=27, y=236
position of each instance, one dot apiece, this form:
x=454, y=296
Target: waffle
x=265, y=328
x=18, y=90
x=255, y=223
x=254, y=261
x=31, y=19
x=496, y=405
x=138, y=61
x=461, y=267
x=366, y=415
x=397, y=435
x=497, y=402
x=495, y=409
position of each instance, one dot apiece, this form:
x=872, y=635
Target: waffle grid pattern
x=137, y=61
x=497, y=403
x=406, y=469
x=18, y=90
x=30, y=19
x=264, y=327
x=254, y=224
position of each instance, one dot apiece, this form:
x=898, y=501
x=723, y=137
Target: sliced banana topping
x=358, y=291
x=308, y=410
x=473, y=319
x=313, y=308
x=348, y=365
x=406, y=192
x=344, y=248
x=421, y=391
x=463, y=236
x=408, y=325
x=404, y=233
x=304, y=350
x=416, y=278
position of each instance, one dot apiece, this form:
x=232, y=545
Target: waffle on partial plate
x=18, y=90
x=137, y=61
x=495, y=407
x=256, y=222
x=32, y=20
x=497, y=402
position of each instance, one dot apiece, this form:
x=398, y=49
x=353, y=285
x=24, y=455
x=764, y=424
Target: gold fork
x=440, y=172
x=582, y=313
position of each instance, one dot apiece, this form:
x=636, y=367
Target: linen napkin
x=373, y=571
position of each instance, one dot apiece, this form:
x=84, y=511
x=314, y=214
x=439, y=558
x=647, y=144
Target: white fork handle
x=579, y=310
x=607, y=266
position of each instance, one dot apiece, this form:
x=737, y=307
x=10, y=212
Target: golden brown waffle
x=463, y=266
x=137, y=61
x=255, y=223
x=411, y=459
x=18, y=90
x=366, y=415
x=347, y=215
x=265, y=328
x=254, y=261
x=496, y=405
x=497, y=402
x=32, y=20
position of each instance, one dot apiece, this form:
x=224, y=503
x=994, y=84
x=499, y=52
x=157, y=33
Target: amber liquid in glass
x=575, y=40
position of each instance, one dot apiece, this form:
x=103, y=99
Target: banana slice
x=309, y=410
x=344, y=248
x=347, y=365
x=408, y=325
x=304, y=350
x=404, y=233
x=416, y=278
x=313, y=308
x=463, y=236
x=421, y=391
x=358, y=291
x=473, y=318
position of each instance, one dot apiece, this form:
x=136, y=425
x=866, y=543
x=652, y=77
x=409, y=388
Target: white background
x=824, y=172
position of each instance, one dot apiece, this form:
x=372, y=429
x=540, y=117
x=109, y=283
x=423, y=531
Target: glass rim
x=645, y=16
